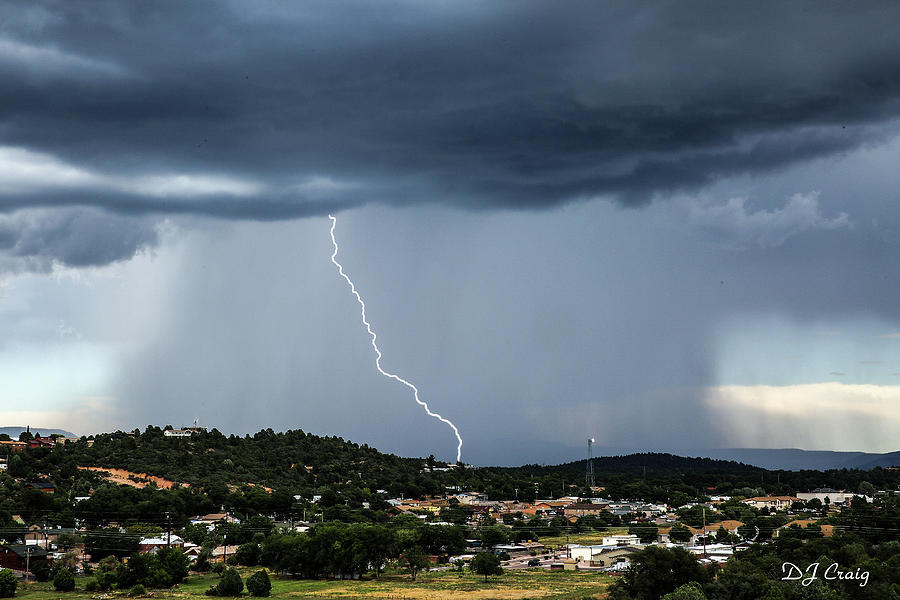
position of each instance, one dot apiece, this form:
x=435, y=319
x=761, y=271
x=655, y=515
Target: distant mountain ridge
x=795, y=459
x=14, y=432
x=787, y=459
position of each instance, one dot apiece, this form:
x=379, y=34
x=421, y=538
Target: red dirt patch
x=123, y=477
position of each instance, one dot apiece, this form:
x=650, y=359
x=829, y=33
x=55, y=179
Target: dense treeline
x=353, y=481
x=869, y=571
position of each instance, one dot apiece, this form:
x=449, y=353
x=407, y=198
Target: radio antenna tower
x=589, y=475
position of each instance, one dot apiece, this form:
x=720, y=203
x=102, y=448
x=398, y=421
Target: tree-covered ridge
x=652, y=462
x=353, y=481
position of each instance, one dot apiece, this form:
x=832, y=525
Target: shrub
x=231, y=583
x=41, y=570
x=105, y=580
x=212, y=591
x=108, y=564
x=91, y=585
x=218, y=568
x=258, y=584
x=8, y=583
x=136, y=591
x=64, y=580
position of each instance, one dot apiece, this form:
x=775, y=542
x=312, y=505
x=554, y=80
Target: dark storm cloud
x=75, y=237
x=517, y=105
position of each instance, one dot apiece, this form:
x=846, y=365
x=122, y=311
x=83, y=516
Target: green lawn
x=522, y=584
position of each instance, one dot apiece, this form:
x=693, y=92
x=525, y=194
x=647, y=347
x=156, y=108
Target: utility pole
x=168, y=529
x=27, y=562
x=704, y=531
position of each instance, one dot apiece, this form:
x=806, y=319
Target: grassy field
x=529, y=584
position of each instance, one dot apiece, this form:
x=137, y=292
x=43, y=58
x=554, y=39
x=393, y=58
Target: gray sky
x=664, y=226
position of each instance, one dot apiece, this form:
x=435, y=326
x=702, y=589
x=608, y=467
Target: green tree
x=247, y=554
x=64, y=580
x=231, y=583
x=689, y=591
x=680, y=533
x=8, y=584
x=486, y=563
x=656, y=571
x=491, y=536
x=415, y=560
x=258, y=584
x=173, y=563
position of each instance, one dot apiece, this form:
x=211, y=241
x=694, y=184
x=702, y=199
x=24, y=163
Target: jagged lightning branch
x=378, y=352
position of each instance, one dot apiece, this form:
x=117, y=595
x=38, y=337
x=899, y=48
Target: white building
x=621, y=540
x=834, y=496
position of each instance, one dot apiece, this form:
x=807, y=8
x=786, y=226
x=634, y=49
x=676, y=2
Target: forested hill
x=649, y=463
x=295, y=463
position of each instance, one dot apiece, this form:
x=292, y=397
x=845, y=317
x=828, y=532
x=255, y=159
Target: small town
x=455, y=529
x=449, y=300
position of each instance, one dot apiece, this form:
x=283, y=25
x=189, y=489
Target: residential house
x=13, y=446
x=44, y=486
x=47, y=537
x=212, y=519
x=221, y=553
x=152, y=544
x=713, y=553
x=62, y=441
x=582, y=509
x=621, y=540
x=17, y=556
x=603, y=556
x=41, y=442
x=192, y=550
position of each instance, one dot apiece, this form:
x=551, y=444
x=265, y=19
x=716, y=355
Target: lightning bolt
x=362, y=306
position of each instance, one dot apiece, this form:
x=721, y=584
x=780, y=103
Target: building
x=827, y=530
x=212, y=519
x=582, y=509
x=181, y=433
x=221, y=553
x=17, y=556
x=833, y=497
x=152, y=544
x=621, y=540
x=61, y=441
x=41, y=442
x=772, y=502
x=13, y=446
x=44, y=486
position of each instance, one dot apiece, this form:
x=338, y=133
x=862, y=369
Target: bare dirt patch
x=138, y=480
